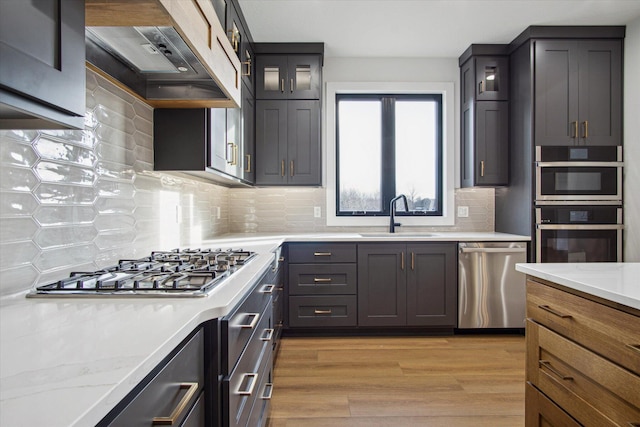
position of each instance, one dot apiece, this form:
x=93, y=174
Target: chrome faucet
x=392, y=212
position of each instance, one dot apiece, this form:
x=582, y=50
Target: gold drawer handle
x=268, y=391
x=253, y=378
x=554, y=312
x=321, y=280
x=316, y=311
x=635, y=347
x=254, y=321
x=180, y=408
x=268, y=336
x=547, y=364
x=268, y=289
x=322, y=254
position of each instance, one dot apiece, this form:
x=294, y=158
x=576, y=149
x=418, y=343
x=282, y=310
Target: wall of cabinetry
x=288, y=92
x=582, y=361
x=557, y=99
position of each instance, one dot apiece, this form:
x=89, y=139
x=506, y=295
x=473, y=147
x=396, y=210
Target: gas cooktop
x=175, y=273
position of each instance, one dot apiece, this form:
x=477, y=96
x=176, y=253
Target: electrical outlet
x=217, y=212
x=463, y=211
x=178, y=214
x=317, y=212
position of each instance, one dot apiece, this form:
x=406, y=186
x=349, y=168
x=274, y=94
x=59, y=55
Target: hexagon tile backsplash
x=81, y=200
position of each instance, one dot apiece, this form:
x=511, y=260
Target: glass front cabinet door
x=492, y=75
x=288, y=77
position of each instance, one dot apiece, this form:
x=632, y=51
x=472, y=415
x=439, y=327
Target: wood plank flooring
x=451, y=381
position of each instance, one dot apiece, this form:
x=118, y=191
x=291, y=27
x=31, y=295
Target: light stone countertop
x=69, y=361
x=616, y=282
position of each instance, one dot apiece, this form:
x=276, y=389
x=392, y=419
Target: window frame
x=388, y=142
x=447, y=89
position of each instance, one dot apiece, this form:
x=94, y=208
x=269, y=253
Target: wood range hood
x=124, y=37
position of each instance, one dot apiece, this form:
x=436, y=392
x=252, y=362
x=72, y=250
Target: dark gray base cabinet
x=578, y=92
x=42, y=70
x=407, y=285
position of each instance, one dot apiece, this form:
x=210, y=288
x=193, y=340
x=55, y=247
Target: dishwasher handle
x=494, y=250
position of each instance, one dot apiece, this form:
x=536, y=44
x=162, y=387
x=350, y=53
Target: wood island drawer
x=322, y=252
x=319, y=279
x=542, y=412
x=607, y=331
x=324, y=311
x=594, y=390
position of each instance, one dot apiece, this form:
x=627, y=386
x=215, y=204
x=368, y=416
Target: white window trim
x=447, y=91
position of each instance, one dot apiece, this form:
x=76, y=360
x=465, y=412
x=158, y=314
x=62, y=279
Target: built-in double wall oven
x=578, y=206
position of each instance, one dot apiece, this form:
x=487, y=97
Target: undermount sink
x=403, y=234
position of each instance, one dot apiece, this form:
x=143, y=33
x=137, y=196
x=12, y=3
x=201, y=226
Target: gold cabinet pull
x=547, y=364
x=402, y=260
x=268, y=391
x=233, y=33
x=254, y=321
x=291, y=167
x=180, y=408
x=248, y=167
x=253, y=378
x=268, y=289
x=234, y=160
x=322, y=280
x=585, y=126
x=554, y=312
x=247, y=63
x=575, y=129
x=322, y=254
x=268, y=335
x=282, y=85
x=635, y=347
x=316, y=311
x=413, y=261
x=481, y=167
x=282, y=168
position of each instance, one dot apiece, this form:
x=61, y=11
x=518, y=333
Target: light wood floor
x=399, y=381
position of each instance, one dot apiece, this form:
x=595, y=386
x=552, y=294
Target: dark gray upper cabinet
x=248, y=165
x=407, y=285
x=288, y=76
x=288, y=143
x=484, y=116
x=42, y=71
x=242, y=43
x=578, y=92
x=220, y=6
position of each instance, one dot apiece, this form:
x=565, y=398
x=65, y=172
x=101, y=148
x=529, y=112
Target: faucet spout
x=392, y=212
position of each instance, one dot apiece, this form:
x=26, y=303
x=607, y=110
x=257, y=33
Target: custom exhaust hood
x=173, y=60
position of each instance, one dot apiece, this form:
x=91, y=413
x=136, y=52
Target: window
x=386, y=145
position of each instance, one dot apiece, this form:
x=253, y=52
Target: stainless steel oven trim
x=615, y=198
x=580, y=164
x=540, y=227
x=577, y=202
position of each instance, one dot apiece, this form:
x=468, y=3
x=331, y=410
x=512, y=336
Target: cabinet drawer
x=322, y=279
x=196, y=415
x=183, y=375
x=594, y=390
x=260, y=411
x=238, y=326
x=542, y=412
x=325, y=311
x=322, y=252
x=242, y=386
x=605, y=330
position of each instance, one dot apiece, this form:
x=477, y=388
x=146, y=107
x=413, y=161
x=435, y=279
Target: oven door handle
x=579, y=226
x=579, y=164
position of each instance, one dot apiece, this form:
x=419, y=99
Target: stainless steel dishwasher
x=491, y=293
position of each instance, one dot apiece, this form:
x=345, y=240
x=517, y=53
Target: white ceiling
x=419, y=28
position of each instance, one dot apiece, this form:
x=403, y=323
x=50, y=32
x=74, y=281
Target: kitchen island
x=583, y=344
x=69, y=361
